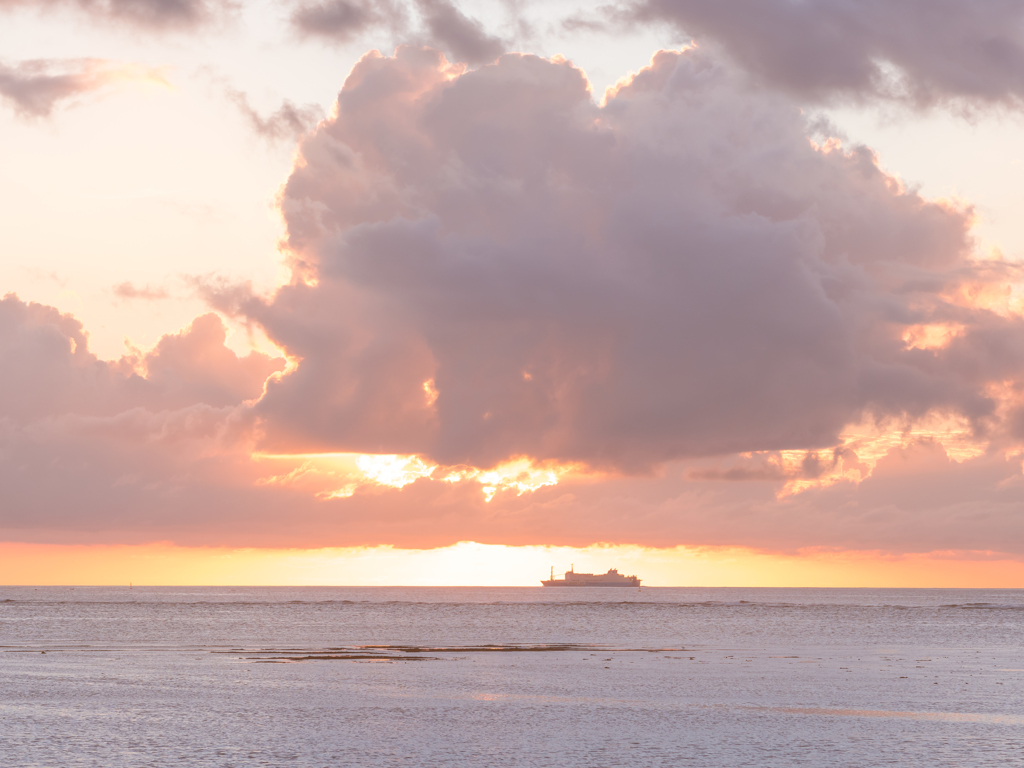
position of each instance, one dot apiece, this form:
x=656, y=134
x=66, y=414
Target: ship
x=572, y=579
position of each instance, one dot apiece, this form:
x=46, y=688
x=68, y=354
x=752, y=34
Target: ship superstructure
x=611, y=579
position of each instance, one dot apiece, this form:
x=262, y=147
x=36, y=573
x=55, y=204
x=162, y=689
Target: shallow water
x=526, y=677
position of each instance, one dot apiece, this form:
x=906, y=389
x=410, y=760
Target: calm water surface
x=510, y=677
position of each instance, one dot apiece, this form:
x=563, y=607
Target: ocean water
x=597, y=677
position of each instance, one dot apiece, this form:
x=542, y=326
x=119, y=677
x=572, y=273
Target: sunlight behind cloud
x=863, y=445
x=340, y=475
x=934, y=336
x=1004, y=297
x=871, y=442
x=520, y=475
x=430, y=391
x=393, y=471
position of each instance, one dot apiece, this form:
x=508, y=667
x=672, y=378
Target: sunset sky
x=396, y=292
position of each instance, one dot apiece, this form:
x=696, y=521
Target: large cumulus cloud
x=490, y=264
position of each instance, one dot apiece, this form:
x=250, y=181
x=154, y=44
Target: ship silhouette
x=572, y=579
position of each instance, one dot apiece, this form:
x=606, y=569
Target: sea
x=352, y=676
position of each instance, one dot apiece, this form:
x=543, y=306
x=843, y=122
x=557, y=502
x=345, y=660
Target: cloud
x=680, y=272
x=454, y=32
x=128, y=291
x=35, y=88
x=443, y=25
x=920, y=51
x=157, y=15
x=49, y=372
x=288, y=122
x=343, y=20
x=160, y=447
x=94, y=445
x=194, y=366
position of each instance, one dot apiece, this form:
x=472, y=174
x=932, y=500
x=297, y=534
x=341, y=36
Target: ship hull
x=581, y=583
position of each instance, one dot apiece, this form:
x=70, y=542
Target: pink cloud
x=680, y=272
x=50, y=372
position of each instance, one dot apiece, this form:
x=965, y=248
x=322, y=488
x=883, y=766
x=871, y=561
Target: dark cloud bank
x=639, y=287
x=922, y=51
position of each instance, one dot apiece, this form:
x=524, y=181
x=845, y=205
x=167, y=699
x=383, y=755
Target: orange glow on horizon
x=472, y=564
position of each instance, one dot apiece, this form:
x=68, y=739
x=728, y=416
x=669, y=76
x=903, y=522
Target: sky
x=422, y=292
